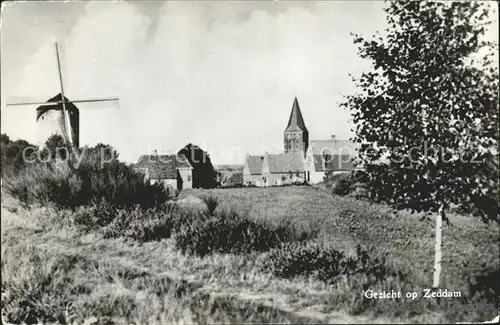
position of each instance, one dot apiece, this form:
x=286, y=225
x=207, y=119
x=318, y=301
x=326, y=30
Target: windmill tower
x=59, y=115
x=50, y=119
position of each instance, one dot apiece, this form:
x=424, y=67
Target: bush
x=324, y=263
x=142, y=225
x=347, y=183
x=44, y=183
x=212, y=203
x=88, y=183
x=230, y=233
x=94, y=216
x=343, y=186
x=486, y=285
x=11, y=153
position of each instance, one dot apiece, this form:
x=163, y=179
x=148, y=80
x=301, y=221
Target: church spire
x=296, y=121
x=296, y=135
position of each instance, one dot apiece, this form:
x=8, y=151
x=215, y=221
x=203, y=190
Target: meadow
x=295, y=254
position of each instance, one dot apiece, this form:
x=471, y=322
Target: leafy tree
x=4, y=139
x=204, y=174
x=56, y=147
x=96, y=157
x=427, y=115
x=16, y=154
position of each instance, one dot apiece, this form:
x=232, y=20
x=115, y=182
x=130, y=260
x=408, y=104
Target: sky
x=222, y=75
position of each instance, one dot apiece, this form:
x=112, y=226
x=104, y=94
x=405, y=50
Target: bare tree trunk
x=437, y=248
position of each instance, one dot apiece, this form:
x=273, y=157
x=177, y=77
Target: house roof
x=333, y=154
x=333, y=163
x=254, y=164
x=285, y=162
x=333, y=146
x=296, y=121
x=43, y=109
x=162, y=166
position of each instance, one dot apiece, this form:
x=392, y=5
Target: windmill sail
x=58, y=115
x=68, y=131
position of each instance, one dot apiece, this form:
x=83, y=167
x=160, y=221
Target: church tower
x=296, y=135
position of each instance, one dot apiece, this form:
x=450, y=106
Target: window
x=189, y=178
x=297, y=145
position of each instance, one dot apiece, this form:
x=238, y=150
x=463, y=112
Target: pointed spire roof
x=296, y=121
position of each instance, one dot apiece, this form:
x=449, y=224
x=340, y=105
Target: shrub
x=486, y=285
x=230, y=233
x=343, y=186
x=212, y=202
x=347, y=183
x=141, y=225
x=89, y=182
x=325, y=263
x=42, y=291
x=145, y=225
x=92, y=217
x=43, y=184
x=11, y=153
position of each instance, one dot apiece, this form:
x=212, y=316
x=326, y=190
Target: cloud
x=218, y=74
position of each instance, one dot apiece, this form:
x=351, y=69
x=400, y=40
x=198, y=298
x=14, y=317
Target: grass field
x=55, y=272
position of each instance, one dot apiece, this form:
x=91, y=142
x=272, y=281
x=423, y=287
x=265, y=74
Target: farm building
x=173, y=171
x=302, y=160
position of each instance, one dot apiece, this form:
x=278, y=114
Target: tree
x=15, y=154
x=204, y=174
x=96, y=157
x=427, y=115
x=56, y=147
x=4, y=138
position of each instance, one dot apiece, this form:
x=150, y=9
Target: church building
x=303, y=160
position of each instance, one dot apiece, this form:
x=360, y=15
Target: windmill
x=61, y=103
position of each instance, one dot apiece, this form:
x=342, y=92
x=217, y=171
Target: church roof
x=43, y=109
x=162, y=166
x=285, y=162
x=296, y=121
x=254, y=164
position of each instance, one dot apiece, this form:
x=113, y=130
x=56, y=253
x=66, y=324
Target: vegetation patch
x=70, y=183
x=232, y=233
x=325, y=263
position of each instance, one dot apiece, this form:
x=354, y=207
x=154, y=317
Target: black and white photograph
x=250, y=162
